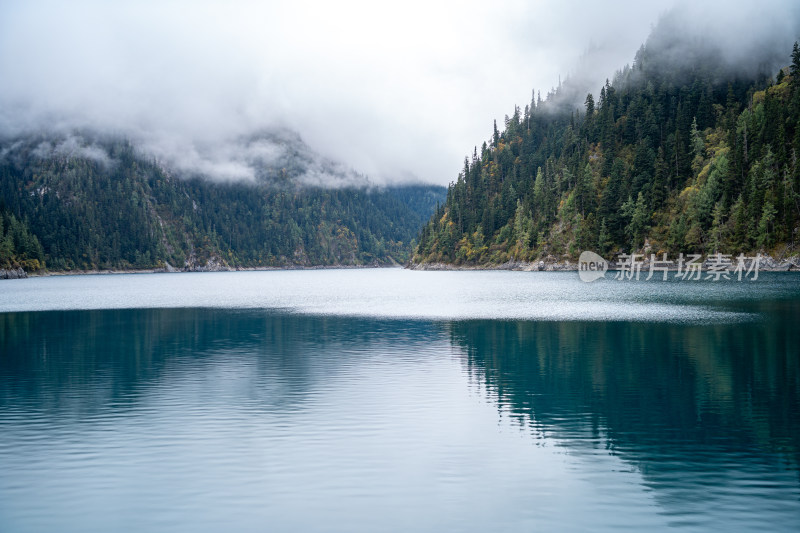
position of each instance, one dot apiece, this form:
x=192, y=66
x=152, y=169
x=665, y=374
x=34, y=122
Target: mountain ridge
x=78, y=202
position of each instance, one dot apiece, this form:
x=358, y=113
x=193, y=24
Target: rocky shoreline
x=524, y=266
x=551, y=264
x=209, y=267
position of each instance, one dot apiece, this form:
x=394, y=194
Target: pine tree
x=765, y=224
x=638, y=215
x=589, y=105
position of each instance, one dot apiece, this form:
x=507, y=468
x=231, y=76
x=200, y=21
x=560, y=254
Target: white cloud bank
x=397, y=90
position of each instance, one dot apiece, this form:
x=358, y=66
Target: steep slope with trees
x=687, y=155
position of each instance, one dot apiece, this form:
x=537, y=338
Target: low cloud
x=397, y=91
x=273, y=155
x=72, y=147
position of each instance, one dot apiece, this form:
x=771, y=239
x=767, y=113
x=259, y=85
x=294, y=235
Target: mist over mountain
x=279, y=157
x=395, y=91
x=716, y=41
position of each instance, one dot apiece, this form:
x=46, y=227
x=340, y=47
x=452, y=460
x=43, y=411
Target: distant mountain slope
x=89, y=203
x=681, y=153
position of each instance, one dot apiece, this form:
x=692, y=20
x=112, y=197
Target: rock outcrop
x=13, y=273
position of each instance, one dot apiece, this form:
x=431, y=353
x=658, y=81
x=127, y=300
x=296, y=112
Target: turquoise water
x=390, y=400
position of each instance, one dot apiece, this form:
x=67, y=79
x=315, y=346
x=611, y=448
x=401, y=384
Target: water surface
x=388, y=400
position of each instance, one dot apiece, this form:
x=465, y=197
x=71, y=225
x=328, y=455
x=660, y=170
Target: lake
x=396, y=400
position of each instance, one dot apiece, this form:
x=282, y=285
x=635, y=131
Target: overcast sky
x=397, y=90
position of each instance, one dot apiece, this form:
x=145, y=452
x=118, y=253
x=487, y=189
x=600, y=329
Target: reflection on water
x=202, y=419
x=710, y=415
x=51, y=356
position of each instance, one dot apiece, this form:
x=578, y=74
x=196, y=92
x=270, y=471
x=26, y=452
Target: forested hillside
x=103, y=204
x=19, y=248
x=676, y=154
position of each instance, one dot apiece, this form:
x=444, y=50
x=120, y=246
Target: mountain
x=82, y=201
x=689, y=150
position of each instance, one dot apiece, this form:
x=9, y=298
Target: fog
x=398, y=91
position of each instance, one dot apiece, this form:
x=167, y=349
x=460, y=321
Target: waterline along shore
x=767, y=263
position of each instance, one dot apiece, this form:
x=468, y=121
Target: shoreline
x=767, y=264
x=110, y=272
